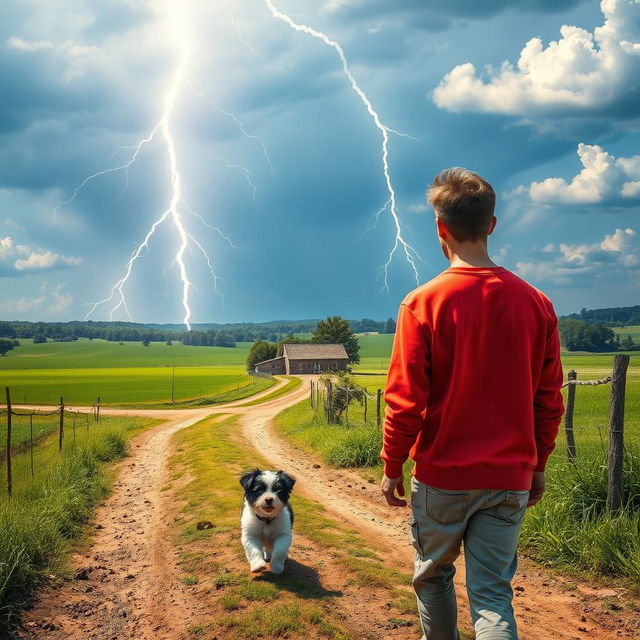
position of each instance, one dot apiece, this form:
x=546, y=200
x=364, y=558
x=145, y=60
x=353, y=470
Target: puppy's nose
x=268, y=501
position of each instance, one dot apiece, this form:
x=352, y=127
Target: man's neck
x=470, y=254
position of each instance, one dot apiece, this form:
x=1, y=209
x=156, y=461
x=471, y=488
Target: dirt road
x=125, y=587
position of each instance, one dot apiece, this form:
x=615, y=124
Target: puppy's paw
x=258, y=566
x=277, y=567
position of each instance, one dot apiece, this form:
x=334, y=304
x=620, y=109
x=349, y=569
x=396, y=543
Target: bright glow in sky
x=534, y=95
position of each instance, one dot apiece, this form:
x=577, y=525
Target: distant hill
x=610, y=317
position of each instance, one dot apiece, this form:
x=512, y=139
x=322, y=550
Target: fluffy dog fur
x=266, y=519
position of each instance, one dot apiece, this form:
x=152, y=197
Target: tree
x=260, y=351
x=145, y=341
x=5, y=345
x=290, y=339
x=337, y=330
x=627, y=343
x=39, y=338
x=389, y=326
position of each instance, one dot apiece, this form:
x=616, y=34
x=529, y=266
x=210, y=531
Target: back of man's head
x=464, y=202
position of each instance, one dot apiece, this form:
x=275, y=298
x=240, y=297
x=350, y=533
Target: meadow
x=126, y=374
x=631, y=330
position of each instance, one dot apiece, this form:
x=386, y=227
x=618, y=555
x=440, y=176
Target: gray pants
x=488, y=521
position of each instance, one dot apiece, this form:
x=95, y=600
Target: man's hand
x=389, y=486
x=537, y=488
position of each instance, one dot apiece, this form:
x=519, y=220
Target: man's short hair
x=464, y=202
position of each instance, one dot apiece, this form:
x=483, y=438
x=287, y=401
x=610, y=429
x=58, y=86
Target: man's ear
x=442, y=229
x=494, y=222
x=247, y=478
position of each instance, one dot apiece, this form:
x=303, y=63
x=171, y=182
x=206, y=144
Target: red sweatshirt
x=473, y=391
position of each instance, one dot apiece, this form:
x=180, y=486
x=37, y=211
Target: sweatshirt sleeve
x=548, y=405
x=406, y=391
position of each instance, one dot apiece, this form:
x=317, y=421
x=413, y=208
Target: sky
x=246, y=140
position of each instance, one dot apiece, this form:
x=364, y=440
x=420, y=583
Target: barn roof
x=314, y=351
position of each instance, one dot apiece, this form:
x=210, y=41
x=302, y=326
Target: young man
x=473, y=396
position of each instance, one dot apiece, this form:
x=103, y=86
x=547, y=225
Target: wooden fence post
x=378, y=403
x=615, y=485
x=9, y=479
x=61, y=428
x=311, y=394
x=366, y=402
x=329, y=401
x=347, y=407
x=98, y=410
x=568, y=416
x=31, y=442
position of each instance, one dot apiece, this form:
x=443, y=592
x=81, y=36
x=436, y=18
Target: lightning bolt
x=400, y=244
x=173, y=214
x=237, y=122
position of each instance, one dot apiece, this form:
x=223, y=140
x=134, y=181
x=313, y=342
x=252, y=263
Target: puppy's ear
x=247, y=479
x=287, y=480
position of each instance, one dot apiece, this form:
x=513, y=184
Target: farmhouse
x=306, y=358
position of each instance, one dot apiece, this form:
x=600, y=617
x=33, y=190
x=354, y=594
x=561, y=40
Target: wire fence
x=66, y=418
x=334, y=401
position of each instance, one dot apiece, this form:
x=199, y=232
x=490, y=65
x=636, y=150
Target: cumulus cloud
x=23, y=305
x=47, y=260
x=21, y=258
x=75, y=56
x=55, y=303
x=613, y=258
x=604, y=178
x=581, y=74
x=61, y=301
x=419, y=207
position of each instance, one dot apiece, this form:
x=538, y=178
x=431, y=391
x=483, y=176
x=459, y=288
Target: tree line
x=578, y=335
x=609, y=317
x=224, y=335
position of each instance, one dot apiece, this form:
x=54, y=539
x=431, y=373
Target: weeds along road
x=133, y=590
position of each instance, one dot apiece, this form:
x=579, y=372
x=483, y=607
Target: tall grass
x=40, y=521
x=339, y=445
x=569, y=528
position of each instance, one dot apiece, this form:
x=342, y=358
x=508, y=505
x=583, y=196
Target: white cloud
x=29, y=46
x=581, y=73
x=603, y=178
x=22, y=258
x=47, y=260
x=22, y=305
x=613, y=258
x=77, y=57
x=420, y=207
x=54, y=303
x=62, y=300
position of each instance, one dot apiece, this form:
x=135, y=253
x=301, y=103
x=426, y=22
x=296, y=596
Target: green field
x=100, y=353
x=130, y=373
x=123, y=385
x=632, y=330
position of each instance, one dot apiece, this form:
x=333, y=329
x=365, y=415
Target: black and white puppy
x=266, y=519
